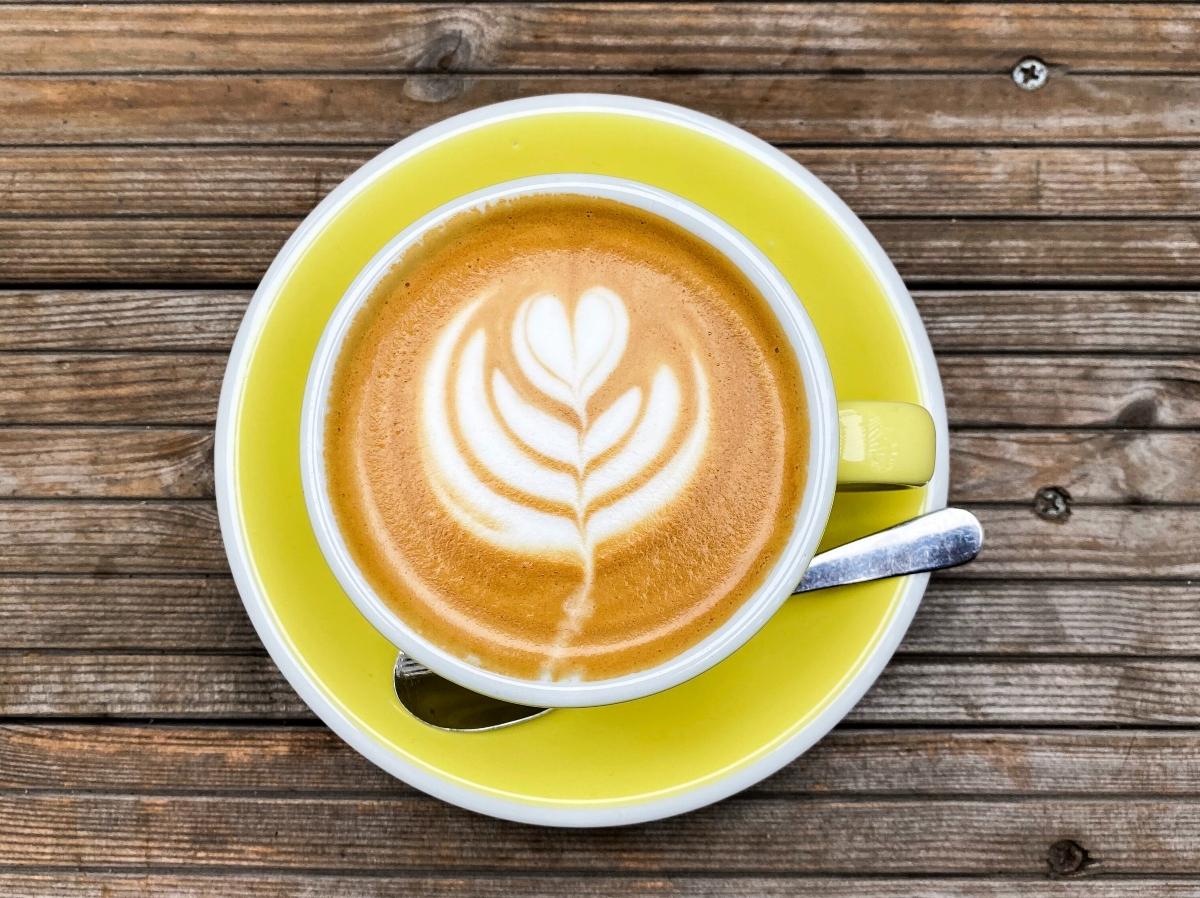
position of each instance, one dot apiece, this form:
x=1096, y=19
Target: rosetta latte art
x=522, y=458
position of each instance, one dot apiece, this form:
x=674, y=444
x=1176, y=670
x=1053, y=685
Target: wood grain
x=911, y=691
x=801, y=109
x=745, y=835
x=142, y=320
x=1101, y=252
x=875, y=181
x=1024, y=320
x=181, y=250
x=1120, y=466
x=106, y=462
x=72, y=884
x=1094, y=542
x=1085, y=692
x=278, y=760
x=138, y=388
x=390, y=37
x=1056, y=617
x=103, y=537
x=110, y=537
x=1061, y=320
x=1071, y=391
x=184, y=613
x=993, y=391
x=123, y=252
x=1000, y=617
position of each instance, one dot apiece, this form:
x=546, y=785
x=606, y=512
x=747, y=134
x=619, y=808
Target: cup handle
x=884, y=445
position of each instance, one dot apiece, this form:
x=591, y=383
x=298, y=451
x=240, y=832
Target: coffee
x=565, y=439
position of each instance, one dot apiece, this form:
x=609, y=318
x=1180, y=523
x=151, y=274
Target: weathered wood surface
x=912, y=690
x=163, y=536
x=742, y=835
x=110, y=537
x=223, y=250
x=90, y=462
x=393, y=37
x=137, y=388
x=875, y=181
x=64, y=884
x=282, y=760
x=153, y=157
x=1120, y=466
x=1033, y=390
x=801, y=109
x=187, y=612
x=1093, y=466
x=957, y=320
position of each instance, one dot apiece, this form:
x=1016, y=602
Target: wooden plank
x=604, y=36
x=100, y=537
x=1098, y=541
x=1123, y=466
x=71, y=884
x=1129, y=836
x=278, y=760
x=912, y=181
x=1101, y=252
x=135, y=684
x=183, y=613
x=139, y=388
x=1090, y=692
x=1061, y=320
x=106, y=462
x=271, y=885
x=127, y=251
x=1055, y=617
x=993, y=391
x=110, y=537
x=911, y=691
x=142, y=320
x=1000, y=617
x=1071, y=391
x=802, y=109
x=146, y=250
x=1025, y=320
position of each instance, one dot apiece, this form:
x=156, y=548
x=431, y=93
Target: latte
x=565, y=438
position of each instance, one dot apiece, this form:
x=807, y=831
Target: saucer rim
x=251, y=589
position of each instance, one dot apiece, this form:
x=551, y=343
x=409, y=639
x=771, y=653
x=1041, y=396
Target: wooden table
x=1039, y=731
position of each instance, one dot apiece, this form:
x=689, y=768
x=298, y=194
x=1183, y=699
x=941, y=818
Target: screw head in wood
x=1030, y=73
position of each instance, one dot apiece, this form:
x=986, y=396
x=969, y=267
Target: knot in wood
x=446, y=52
x=1067, y=857
x=1052, y=503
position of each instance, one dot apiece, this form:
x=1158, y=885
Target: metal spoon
x=941, y=539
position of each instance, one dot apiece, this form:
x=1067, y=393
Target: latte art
x=533, y=468
x=565, y=438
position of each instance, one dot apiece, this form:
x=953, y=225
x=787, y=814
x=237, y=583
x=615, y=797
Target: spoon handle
x=937, y=540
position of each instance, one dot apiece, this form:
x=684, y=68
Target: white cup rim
x=810, y=520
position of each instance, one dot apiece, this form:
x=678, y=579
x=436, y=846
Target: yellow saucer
x=657, y=756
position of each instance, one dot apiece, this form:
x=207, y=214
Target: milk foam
x=521, y=460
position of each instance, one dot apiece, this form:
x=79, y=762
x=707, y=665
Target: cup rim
x=811, y=514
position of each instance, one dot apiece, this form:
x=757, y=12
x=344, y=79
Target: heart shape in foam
x=567, y=360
